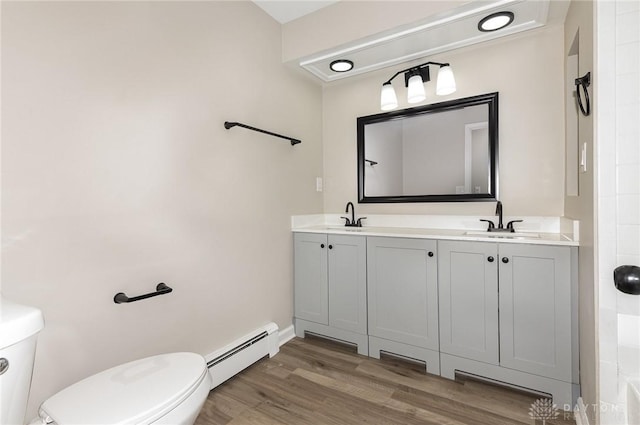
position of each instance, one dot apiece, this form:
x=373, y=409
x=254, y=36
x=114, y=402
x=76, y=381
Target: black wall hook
x=584, y=82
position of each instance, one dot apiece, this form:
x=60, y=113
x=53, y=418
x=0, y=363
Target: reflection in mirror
x=441, y=152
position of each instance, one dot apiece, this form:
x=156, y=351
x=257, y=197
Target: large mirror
x=442, y=152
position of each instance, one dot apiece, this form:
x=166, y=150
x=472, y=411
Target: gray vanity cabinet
x=535, y=309
x=506, y=314
x=403, y=298
x=330, y=287
x=468, y=299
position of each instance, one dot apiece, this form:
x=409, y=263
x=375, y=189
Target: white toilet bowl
x=164, y=389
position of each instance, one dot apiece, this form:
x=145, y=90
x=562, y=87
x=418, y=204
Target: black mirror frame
x=490, y=99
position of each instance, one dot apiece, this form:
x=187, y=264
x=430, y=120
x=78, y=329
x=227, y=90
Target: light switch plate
x=583, y=158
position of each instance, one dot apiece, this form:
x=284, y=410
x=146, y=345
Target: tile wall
x=618, y=122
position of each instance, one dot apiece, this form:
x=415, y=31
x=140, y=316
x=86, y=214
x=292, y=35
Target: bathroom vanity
x=331, y=287
x=498, y=308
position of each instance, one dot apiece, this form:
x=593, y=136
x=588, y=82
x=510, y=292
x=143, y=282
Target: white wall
x=579, y=22
x=384, y=140
x=618, y=135
x=527, y=71
x=439, y=152
x=117, y=174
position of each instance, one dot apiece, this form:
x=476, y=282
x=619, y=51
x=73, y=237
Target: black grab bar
x=161, y=289
x=231, y=124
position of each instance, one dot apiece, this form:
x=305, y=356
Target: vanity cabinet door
x=403, y=290
x=311, y=287
x=348, y=283
x=468, y=295
x=535, y=309
x=330, y=275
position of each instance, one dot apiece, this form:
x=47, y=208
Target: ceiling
x=453, y=29
x=288, y=10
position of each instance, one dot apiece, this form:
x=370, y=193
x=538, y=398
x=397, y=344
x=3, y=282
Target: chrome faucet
x=492, y=227
x=353, y=222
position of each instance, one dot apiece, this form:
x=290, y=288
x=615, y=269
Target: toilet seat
x=139, y=392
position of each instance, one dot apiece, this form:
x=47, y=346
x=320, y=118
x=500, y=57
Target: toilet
x=164, y=389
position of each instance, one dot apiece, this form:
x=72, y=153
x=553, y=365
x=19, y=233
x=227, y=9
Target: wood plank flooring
x=315, y=381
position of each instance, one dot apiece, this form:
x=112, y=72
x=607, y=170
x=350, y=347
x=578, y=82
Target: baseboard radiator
x=242, y=353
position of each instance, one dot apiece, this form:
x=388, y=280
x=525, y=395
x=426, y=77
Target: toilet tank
x=19, y=326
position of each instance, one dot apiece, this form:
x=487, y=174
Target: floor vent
x=242, y=353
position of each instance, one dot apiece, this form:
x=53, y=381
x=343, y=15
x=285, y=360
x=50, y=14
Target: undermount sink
x=345, y=228
x=503, y=234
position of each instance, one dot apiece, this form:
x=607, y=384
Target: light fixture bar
x=416, y=67
x=423, y=72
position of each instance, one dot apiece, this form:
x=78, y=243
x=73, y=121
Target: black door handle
x=627, y=279
x=490, y=259
x=505, y=260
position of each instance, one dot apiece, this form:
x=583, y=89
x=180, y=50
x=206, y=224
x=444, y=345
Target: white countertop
x=326, y=224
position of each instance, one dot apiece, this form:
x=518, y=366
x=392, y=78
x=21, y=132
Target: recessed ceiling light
x=341, y=65
x=495, y=21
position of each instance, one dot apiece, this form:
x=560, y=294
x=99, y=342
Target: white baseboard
x=580, y=412
x=285, y=335
x=231, y=359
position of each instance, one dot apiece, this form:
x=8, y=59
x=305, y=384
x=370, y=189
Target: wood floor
x=315, y=381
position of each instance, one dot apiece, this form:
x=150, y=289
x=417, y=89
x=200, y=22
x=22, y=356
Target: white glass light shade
x=495, y=23
x=446, y=82
x=415, y=91
x=388, y=98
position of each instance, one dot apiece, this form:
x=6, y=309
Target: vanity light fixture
x=341, y=65
x=495, y=21
x=414, y=79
